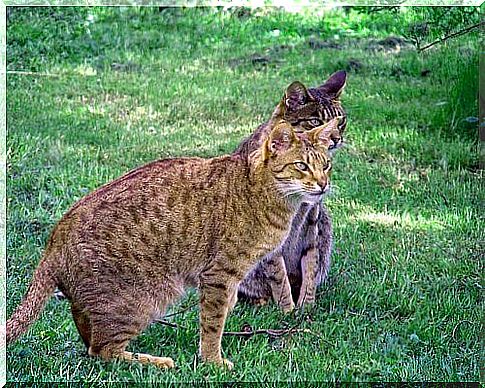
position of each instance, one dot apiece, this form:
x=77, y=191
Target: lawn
x=95, y=92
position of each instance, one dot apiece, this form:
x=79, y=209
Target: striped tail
x=43, y=284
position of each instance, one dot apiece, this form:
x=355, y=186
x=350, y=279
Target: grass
x=128, y=85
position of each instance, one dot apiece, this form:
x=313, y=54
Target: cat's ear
x=279, y=112
x=279, y=140
x=322, y=135
x=334, y=85
x=296, y=95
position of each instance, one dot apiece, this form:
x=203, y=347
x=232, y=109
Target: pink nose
x=325, y=186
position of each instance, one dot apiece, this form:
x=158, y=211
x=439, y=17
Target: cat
x=305, y=255
x=124, y=252
x=304, y=109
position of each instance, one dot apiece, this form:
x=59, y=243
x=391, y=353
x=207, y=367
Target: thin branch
x=271, y=332
x=274, y=333
x=166, y=323
x=455, y=34
x=19, y=72
x=190, y=307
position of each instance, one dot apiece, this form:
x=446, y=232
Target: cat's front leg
x=309, y=261
x=308, y=284
x=233, y=298
x=279, y=282
x=216, y=299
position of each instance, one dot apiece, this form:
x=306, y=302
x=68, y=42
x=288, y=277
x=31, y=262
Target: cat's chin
x=313, y=198
x=336, y=147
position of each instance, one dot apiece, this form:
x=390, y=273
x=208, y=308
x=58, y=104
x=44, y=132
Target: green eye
x=301, y=166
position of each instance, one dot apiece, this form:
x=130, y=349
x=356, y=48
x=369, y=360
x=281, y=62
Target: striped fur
x=303, y=261
x=123, y=253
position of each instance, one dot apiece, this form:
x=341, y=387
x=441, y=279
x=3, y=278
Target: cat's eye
x=301, y=166
x=315, y=122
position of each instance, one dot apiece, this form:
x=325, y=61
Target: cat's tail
x=43, y=284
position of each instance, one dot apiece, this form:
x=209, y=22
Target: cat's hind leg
x=111, y=333
x=83, y=324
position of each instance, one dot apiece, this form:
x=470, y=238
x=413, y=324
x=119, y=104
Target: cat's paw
x=163, y=362
x=260, y=301
x=288, y=307
x=227, y=364
x=305, y=302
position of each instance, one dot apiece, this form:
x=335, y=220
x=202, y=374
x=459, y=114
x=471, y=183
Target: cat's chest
x=267, y=238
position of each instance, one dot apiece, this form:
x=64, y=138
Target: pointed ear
x=322, y=135
x=279, y=140
x=296, y=95
x=279, y=112
x=334, y=85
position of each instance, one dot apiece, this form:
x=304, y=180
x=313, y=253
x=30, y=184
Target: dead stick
x=181, y=311
x=461, y=32
x=270, y=332
x=166, y=323
x=19, y=72
x=275, y=333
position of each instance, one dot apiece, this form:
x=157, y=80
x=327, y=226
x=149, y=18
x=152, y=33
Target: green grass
x=403, y=300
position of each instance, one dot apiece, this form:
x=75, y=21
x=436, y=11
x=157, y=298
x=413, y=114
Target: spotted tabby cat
x=305, y=255
x=129, y=249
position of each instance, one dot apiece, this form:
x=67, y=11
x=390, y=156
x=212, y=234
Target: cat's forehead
x=319, y=104
x=303, y=110
x=309, y=147
x=320, y=97
x=303, y=138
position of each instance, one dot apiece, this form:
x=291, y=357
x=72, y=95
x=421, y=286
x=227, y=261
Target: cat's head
x=306, y=109
x=299, y=161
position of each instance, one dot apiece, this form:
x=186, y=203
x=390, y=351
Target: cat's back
x=148, y=197
x=156, y=178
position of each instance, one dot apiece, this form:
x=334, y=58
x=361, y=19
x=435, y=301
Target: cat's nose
x=324, y=186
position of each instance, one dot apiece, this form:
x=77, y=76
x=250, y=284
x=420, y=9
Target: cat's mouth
x=318, y=194
x=315, y=196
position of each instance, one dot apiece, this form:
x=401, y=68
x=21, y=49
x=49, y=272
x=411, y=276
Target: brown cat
x=127, y=250
x=305, y=255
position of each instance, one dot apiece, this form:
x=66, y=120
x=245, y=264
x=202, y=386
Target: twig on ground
x=274, y=333
x=166, y=323
x=19, y=72
x=271, y=332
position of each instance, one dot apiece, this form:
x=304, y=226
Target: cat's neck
x=263, y=185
